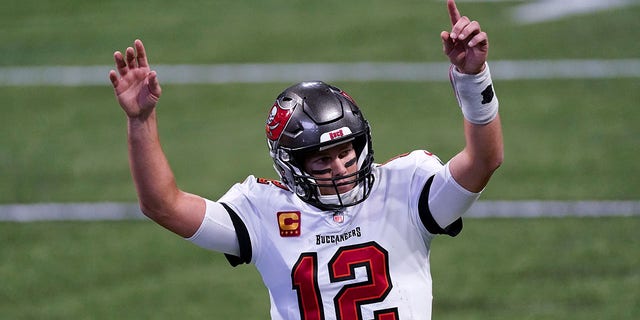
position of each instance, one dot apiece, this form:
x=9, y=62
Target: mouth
x=338, y=186
x=345, y=188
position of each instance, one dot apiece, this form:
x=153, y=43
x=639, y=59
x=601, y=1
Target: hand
x=137, y=89
x=466, y=45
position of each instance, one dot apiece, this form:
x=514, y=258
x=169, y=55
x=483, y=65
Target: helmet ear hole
x=298, y=160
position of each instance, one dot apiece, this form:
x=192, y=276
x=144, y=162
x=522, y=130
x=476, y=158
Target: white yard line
x=294, y=72
x=483, y=209
x=548, y=10
x=533, y=209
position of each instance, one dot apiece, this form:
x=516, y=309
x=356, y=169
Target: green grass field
x=570, y=268
x=565, y=139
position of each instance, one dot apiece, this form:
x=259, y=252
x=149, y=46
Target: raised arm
x=137, y=90
x=467, y=47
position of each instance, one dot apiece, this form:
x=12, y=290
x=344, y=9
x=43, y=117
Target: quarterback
x=337, y=235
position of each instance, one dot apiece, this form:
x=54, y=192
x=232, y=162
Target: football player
x=338, y=236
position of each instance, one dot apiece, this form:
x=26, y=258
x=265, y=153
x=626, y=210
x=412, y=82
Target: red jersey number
x=342, y=267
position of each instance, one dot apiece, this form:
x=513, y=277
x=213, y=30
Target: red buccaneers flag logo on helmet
x=278, y=118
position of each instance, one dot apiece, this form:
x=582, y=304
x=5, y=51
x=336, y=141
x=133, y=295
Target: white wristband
x=475, y=95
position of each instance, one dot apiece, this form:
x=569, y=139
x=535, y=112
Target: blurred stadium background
x=567, y=74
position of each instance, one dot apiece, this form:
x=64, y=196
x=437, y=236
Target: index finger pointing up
x=454, y=14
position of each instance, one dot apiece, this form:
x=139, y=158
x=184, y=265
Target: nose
x=338, y=167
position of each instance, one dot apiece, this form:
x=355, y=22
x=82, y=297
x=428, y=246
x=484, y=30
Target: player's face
x=333, y=163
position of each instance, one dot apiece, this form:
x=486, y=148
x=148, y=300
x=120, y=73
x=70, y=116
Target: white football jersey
x=368, y=261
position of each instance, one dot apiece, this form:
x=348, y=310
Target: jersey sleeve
x=250, y=206
x=442, y=203
x=245, y=251
x=411, y=176
x=240, y=208
x=223, y=230
x=437, y=200
x=217, y=231
x=448, y=200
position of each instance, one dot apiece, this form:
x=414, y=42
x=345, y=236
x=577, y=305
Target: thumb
x=149, y=92
x=447, y=42
x=154, y=85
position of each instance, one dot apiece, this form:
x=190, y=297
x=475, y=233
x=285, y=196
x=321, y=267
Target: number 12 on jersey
x=342, y=267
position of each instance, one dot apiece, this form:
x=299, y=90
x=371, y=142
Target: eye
x=320, y=166
x=321, y=160
x=345, y=153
